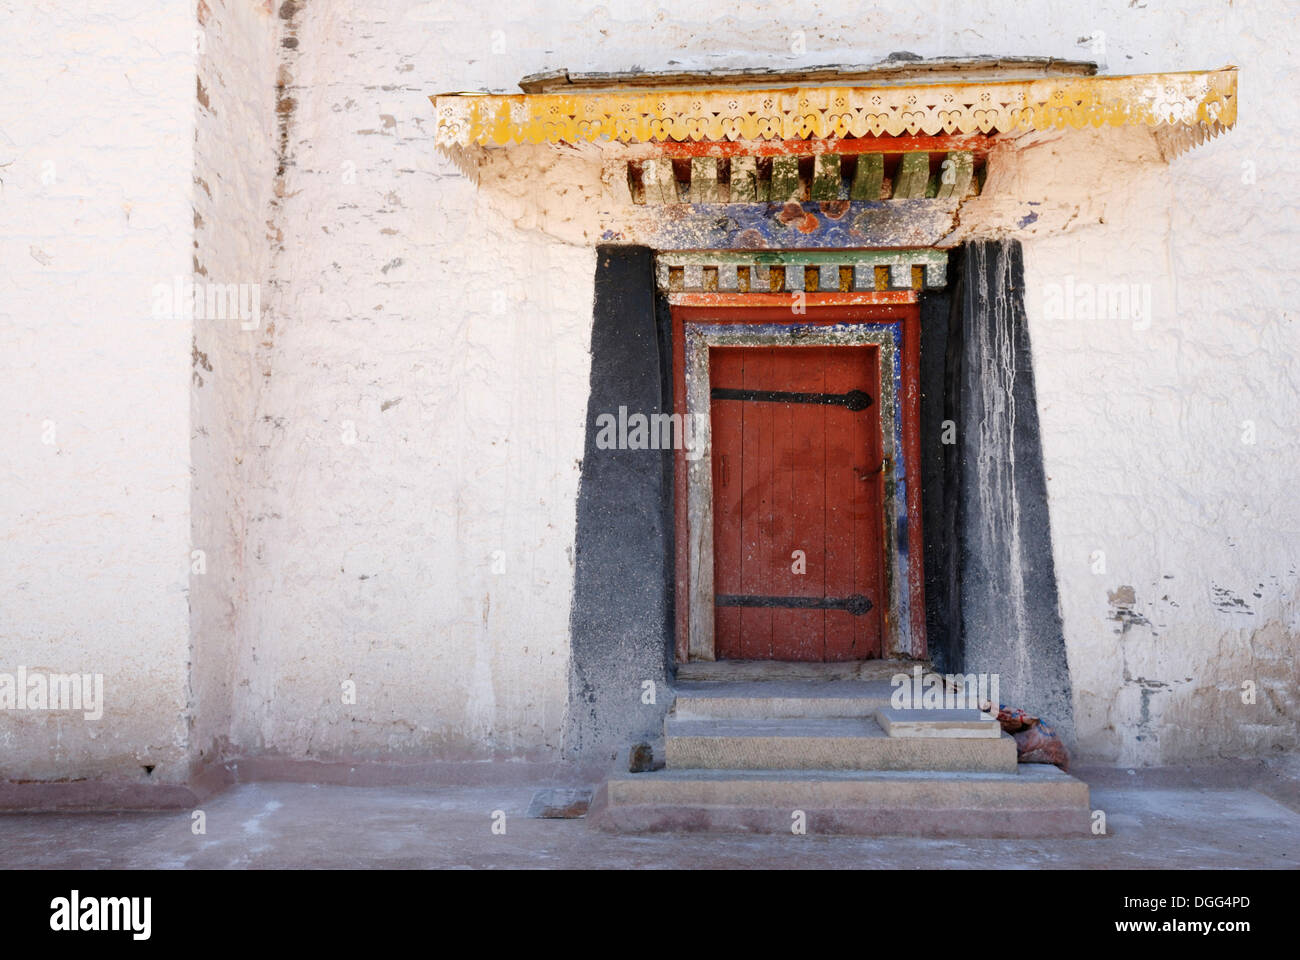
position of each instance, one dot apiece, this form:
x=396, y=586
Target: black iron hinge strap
x=853, y=400
x=856, y=604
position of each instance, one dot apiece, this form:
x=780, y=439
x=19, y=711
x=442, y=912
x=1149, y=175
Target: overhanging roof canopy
x=1193, y=106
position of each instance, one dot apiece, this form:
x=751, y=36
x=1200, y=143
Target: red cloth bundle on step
x=1036, y=742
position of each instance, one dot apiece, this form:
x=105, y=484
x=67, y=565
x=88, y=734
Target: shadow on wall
x=991, y=589
x=621, y=624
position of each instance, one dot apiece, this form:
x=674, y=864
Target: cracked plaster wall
x=1127, y=417
x=402, y=511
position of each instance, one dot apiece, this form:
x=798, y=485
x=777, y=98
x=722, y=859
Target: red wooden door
x=797, y=458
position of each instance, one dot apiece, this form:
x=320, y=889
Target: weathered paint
x=659, y=180
x=821, y=176
x=744, y=179
x=912, y=177
x=826, y=178
x=794, y=224
x=868, y=178
x=786, y=186
x=1010, y=614
x=704, y=187
x=977, y=144
x=827, y=269
x=865, y=298
x=955, y=175
x=620, y=621
x=1206, y=99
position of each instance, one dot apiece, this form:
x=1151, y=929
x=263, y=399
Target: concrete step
x=948, y=724
x=1033, y=800
x=780, y=699
x=766, y=671
x=823, y=743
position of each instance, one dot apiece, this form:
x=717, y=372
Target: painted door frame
x=890, y=320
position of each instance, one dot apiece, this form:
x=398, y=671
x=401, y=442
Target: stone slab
x=559, y=804
x=828, y=743
x=732, y=671
x=1032, y=801
x=780, y=699
x=944, y=724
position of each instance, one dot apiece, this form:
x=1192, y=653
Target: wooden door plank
x=808, y=503
x=796, y=634
x=783, y=369
x=868, y=513
x=726, y=369
x=756, y=506
x=844, y=464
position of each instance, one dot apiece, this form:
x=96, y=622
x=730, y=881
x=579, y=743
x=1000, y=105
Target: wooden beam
x=785, y=180
x=913, y=176
x=1202, y=103
x=868, y=178
x=704, y=180
x=744, y=179
x=660, y=184
x=955, y=175
x=826, y=177
x=926, y=71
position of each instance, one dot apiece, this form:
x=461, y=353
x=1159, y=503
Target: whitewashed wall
x=96, y=165
x=1142, y=426
x=402, y=425
x=236, y=160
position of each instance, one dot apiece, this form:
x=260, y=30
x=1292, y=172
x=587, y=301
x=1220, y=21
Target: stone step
x=778, y=700
x=823, y=743
x=1034, y=800
x=947, y=724
x=768, y=671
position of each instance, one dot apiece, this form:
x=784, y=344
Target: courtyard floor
x=1153, y=821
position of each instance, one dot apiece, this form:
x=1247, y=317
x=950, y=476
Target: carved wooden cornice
x=1198, y=105
x=810, y=271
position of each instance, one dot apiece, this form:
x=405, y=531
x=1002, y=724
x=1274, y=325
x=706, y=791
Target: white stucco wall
x=1139, y=425
x=96, y=160
x=403, y=421
x=1171, y=447
x=409, y=427
x=235, y=241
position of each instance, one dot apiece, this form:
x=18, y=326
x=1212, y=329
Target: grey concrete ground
x=1152, y=822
